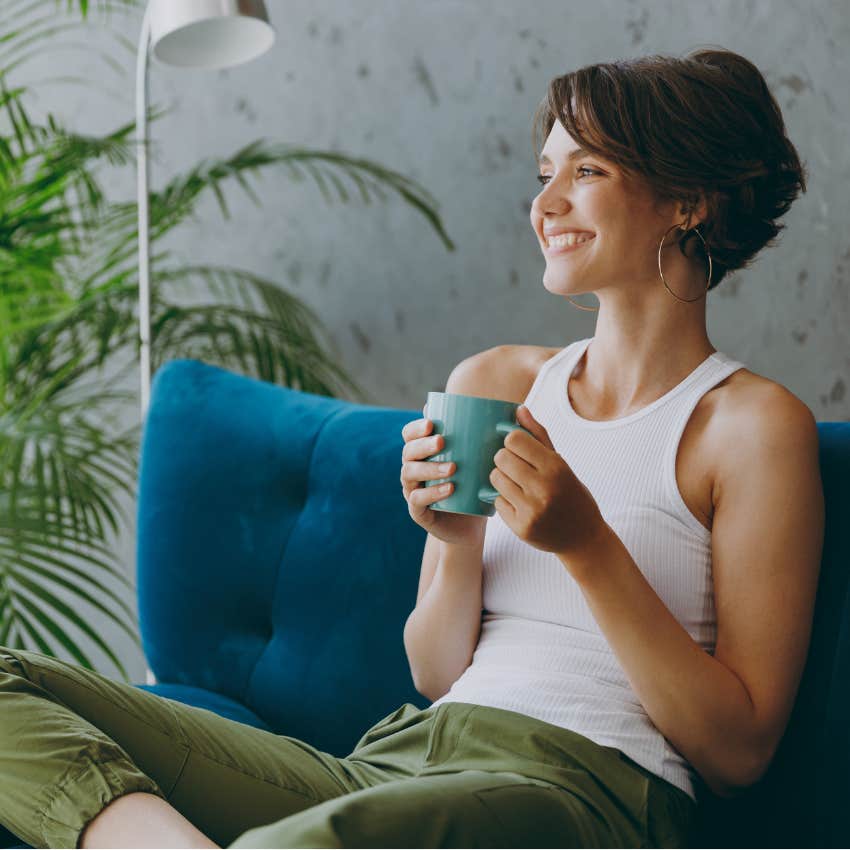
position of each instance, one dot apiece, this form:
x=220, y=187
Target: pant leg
x=473, y=778
x=72, y=740
x=485, y=777
x=466, y=809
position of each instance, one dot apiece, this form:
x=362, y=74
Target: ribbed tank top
x=541, y=652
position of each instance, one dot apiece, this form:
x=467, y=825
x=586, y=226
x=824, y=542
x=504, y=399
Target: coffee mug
x=473, y=430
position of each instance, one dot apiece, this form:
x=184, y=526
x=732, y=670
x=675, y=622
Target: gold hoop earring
x=708, y=283
x=581, y=306
x=667, y=287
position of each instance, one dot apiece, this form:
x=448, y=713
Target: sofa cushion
x=277, y=562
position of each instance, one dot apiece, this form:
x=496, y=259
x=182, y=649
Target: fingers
x=422, y=497
x=416, y=428
x=420, y=443
x=415, y=473
x=421, y=447
x=508, y=489
x=513, y=465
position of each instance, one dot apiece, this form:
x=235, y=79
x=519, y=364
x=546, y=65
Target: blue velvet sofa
x=277, y=565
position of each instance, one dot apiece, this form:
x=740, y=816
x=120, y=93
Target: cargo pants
x=452, y=775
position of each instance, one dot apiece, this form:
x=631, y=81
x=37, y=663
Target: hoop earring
x=708, y=283
x=667, y=287
x=581, y=306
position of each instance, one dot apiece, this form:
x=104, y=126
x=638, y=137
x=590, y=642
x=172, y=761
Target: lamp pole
x=189, y=34
x=142, y=191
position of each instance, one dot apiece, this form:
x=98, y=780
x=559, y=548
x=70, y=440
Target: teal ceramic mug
x=473, y=430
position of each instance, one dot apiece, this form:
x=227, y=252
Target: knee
x=346, y=821
x=10, y=662
x=322, y=825
x=407, y=813
x=15, y=662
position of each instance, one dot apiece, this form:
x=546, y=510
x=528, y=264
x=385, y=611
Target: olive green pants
x=455, y=775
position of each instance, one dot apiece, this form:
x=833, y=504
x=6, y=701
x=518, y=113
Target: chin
x=567, y=293
x=561, y=286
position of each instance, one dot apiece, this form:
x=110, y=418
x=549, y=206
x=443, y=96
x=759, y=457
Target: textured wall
x=444, y=92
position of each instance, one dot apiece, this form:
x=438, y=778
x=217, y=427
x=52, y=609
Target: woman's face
x=586, y=193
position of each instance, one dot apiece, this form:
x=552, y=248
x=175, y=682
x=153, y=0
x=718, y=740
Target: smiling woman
x=705, y=125
x=648, y=580
x=632, y=623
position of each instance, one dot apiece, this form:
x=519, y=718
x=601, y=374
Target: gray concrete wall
x=444, y=92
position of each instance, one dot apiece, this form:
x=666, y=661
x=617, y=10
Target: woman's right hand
x=420, y=443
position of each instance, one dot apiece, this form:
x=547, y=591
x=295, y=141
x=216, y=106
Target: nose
x=548, y=200
x=551, y=197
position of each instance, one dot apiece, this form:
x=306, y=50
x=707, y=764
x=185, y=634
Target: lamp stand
x=143, y=228
x=144, y=214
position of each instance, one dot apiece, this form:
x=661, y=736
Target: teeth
x=565, y=239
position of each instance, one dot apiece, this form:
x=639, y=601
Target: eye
x=543, y=179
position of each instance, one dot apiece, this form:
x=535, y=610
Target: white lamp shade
x=209, y=33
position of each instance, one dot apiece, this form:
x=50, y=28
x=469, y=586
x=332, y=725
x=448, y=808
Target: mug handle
x=489, y=494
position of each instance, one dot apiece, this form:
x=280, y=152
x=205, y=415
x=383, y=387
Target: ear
x=694, y=211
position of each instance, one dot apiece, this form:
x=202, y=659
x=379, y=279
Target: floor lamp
x=190, y=34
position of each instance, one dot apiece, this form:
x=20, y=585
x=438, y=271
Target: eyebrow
x=577, y=153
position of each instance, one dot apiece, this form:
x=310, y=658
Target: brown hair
x=705, y=124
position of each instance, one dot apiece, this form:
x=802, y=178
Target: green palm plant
x=68, y=335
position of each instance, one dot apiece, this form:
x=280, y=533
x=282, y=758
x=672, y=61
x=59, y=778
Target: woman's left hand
x=541, y=499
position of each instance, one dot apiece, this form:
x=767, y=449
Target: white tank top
x=541, y=652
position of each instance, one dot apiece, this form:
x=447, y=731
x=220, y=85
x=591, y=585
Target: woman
x=647, y=583
x=650, y=575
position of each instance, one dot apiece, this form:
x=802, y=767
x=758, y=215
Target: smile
x=552, y=250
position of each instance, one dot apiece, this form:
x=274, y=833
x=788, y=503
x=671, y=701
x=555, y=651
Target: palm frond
x=68, y=317
x=270, y=336
x=76, y=470
x=48, y=601
x=29, y=23
x=179, y=198
x=33, y=548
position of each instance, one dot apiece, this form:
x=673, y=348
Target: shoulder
x=754, y=403
x=755, y=419
x=503, y=371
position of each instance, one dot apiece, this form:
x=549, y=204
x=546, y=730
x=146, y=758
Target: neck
x=642, y=347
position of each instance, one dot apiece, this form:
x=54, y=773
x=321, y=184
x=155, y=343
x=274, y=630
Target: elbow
x=741, y=774
x=753, y=769
x=752, y=776
x=730, y=787
x=423, y=688
x=427, y=689
x=417, y=673
x=430, y=695
x=421, y=682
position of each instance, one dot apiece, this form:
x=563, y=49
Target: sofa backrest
x=277, y=564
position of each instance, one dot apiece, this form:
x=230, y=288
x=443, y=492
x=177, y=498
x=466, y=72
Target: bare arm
x=442, y=631
x=727, y=713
